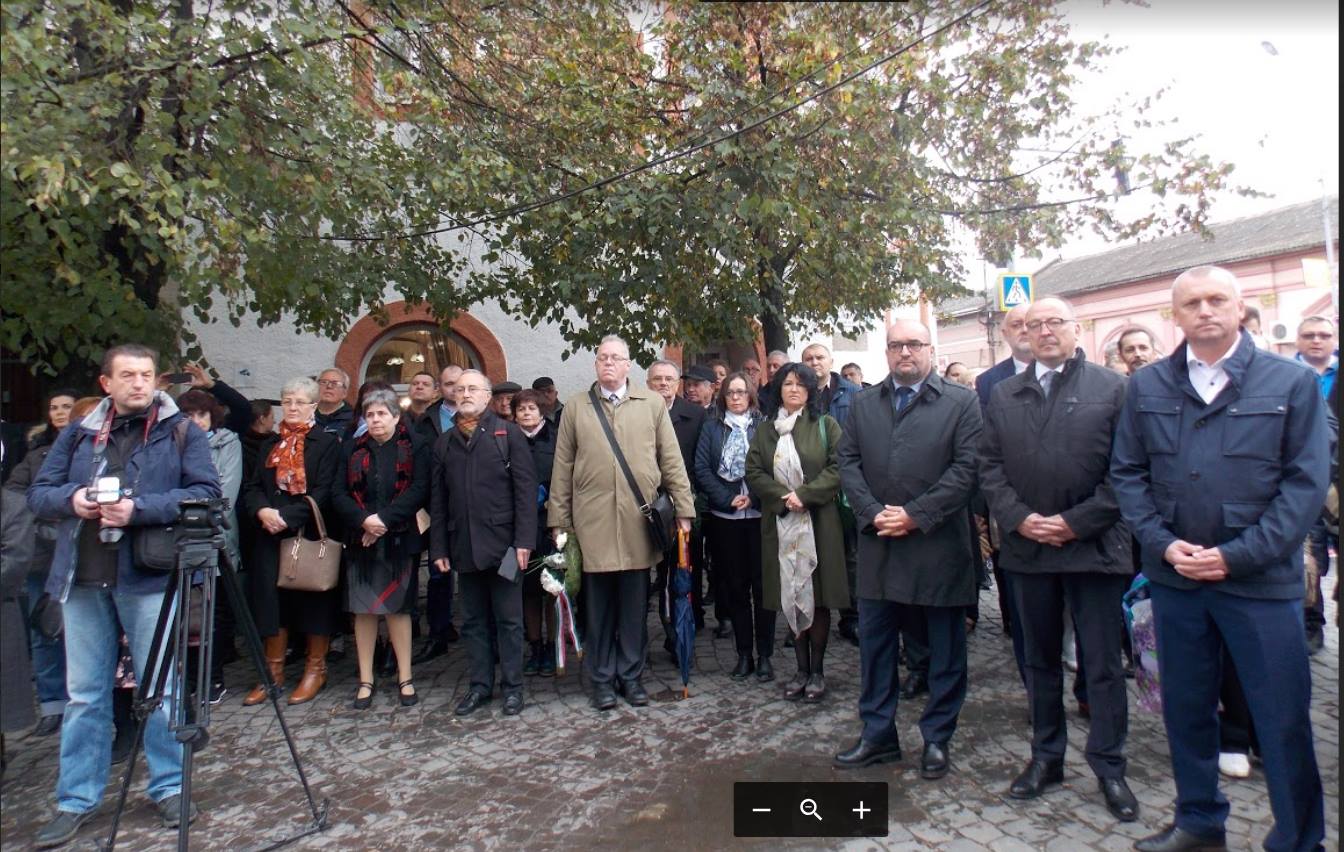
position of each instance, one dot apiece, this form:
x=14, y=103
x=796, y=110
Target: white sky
x=1275, y=117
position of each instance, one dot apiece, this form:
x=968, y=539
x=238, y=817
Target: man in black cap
x=551, y=406
x=501, y=399
x=698, y=384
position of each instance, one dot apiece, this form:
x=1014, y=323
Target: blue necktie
x=903, y=396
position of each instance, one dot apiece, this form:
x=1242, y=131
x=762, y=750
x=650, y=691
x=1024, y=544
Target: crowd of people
x=806, y=494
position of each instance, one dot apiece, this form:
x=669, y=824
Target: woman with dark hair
x=299, y=463
x=792, y=469
x=384, y=483
x=226, y=451
x=59, y=405
x=540, y=434
x=733, y=524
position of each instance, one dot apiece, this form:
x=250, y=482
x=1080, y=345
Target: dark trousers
x=1318, y=543
x=1266, y=642
x=439, y=602
x=699, y=567
x=735, y=547
x=915, y=635
x=1008, y=611
x=617, y=634
x=850, y=614
x=1236, y=731
x=879, y=648
x=1093, y=600
x=487, y=596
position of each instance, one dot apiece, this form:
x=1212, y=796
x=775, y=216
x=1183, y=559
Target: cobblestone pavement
x=562, y=776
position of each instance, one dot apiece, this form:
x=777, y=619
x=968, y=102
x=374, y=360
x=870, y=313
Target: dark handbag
x=310, y=566
x=154, y=549
x=661, y=515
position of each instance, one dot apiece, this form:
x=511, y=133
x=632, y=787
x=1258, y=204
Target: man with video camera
x=123, y=469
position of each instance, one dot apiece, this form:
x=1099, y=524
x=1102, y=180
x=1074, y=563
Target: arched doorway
x=410, y=332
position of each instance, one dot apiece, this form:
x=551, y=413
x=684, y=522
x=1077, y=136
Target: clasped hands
x=1196, y=562
x=894, y=522
x=1052, y=530
x=116, y=514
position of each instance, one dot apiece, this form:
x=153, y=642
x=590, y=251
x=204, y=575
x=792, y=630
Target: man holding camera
x=124, y=468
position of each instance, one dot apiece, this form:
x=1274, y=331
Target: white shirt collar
x=619, y=392
x=1190, y=357
x=895, y=386
x=1041, y=370
x=1019, y=366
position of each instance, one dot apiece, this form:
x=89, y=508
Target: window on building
x=408, y=350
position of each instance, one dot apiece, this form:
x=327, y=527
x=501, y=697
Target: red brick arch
x=365, y=333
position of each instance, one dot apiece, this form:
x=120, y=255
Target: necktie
x=1047, y=380
x=614, y=398
x=903, y=396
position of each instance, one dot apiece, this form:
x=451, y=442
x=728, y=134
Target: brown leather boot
x=274, y=647
x=314, y=671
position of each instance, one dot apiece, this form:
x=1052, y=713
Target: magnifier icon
x=809, y=808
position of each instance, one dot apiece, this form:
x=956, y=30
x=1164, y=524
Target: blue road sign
x=1014, y=290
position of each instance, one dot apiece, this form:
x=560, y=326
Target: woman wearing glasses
x=791, y=468
x=300, y=462
x=734, y=521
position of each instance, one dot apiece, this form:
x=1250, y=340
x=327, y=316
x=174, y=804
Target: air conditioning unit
x=1279, y=333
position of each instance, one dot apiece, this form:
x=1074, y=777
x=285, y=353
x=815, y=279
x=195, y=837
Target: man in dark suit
x=1014, y=332
x=1220, y=466
x=483, y=502
x=687, y=418
x=1044, y=460
x=437, y=419
x=907, y=465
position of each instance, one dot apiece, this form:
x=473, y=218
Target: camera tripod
x=201, y=554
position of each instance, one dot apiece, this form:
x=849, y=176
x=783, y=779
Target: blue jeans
x=91, y=621
x=48, y=656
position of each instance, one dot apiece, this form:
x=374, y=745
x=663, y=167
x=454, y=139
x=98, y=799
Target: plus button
x=861, y=810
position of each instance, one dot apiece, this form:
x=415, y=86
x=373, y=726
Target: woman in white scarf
x=792, y=468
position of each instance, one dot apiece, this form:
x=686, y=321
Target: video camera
x=204, y=518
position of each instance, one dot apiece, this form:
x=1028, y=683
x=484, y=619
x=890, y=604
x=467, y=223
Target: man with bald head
x=1044, y=462
x=1220, y=466
x=907, y=465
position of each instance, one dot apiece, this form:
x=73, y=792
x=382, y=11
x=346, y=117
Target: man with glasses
x=334, y=414
x=1316, y=348
x=1044, y=459
x=907, y=465
x=439, y=588
x=591, y=498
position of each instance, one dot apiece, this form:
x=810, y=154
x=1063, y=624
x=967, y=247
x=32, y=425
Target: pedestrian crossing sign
x=1014, y=290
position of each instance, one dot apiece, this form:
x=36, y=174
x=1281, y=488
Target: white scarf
x=797, y=546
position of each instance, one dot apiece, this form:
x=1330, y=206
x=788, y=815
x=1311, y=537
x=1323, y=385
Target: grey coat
x=923, y=460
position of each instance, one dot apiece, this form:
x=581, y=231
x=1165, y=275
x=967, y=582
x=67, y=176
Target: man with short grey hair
x=333, y=413
x=592, y=499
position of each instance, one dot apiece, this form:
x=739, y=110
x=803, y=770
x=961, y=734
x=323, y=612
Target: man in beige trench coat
x=591, y=498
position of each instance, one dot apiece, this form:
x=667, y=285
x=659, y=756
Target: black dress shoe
x=604, y=697
x=1033, y=780
x=864, y=753
x=634, y=693
x=794, y=689
x=916, y=683
x=431, y=649
x=934, y=763
x=1119, y=800
x=1175, y=839
x=724, y=629
x=764, y=671
x=513, y=704
x=848, y=632
x=471, y=703
x=744, y=667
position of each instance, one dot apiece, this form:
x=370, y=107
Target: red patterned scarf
x=357, y=473
x=287, y=458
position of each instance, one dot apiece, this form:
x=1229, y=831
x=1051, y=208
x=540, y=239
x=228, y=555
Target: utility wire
x=514, y=210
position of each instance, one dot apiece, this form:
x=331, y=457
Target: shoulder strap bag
x=660, y=515
x=310, y=566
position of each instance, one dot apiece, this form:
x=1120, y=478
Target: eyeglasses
x=611, y=359
x=915, y=346
x=331, y=383
x=1053, y=323
x=472, y=389
x=295, y=403
x=1316, y=335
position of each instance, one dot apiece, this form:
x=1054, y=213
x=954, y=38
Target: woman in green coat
x=792, y=468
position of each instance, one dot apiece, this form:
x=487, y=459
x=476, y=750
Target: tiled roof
x=1280, y=231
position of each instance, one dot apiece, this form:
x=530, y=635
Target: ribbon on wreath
x=564, y=619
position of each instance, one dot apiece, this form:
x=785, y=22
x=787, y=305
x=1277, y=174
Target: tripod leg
x=248, y=627
x=145, y=696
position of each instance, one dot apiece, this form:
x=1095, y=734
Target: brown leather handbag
x=310, y=566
